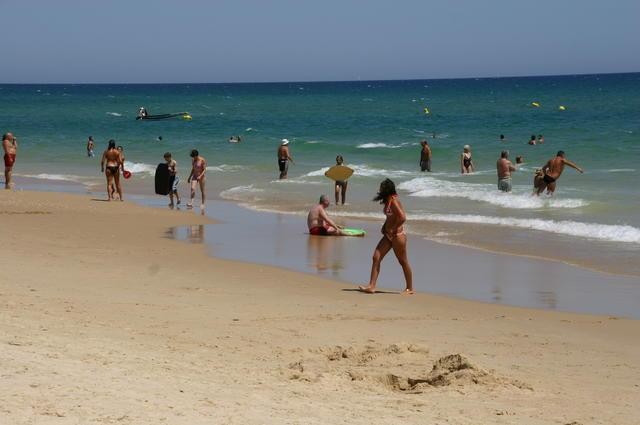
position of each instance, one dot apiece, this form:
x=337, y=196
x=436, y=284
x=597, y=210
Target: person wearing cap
x=466, y=164
x=90, y=146
x=283, y=158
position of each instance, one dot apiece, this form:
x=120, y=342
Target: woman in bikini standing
x=113, y=159
x=197, y=176
x=466, y=164
x=393, y=236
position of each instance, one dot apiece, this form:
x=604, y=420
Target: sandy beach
x=106, y=319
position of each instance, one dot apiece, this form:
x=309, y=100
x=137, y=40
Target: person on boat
x=318, y=220
x=393, y=236
x=142, y=112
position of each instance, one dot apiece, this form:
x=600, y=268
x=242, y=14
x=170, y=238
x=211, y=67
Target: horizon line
x=333, y=81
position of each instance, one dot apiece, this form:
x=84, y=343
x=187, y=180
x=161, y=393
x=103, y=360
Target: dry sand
x=103, y=319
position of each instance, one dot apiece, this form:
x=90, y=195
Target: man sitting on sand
x=318, y=221
x=504, y=167
x=551, y=172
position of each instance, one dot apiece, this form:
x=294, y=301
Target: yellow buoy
x=562, y=108
x=535, y=104
x=187, y=117
x=426, y=111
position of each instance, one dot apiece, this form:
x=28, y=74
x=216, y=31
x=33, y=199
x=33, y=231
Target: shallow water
x=377, y=127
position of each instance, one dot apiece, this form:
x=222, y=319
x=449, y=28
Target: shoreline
x=162, y=332
x=592, y=296
x=179, y=337
x=622, y=266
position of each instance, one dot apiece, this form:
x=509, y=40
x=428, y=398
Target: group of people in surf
x=545, y=178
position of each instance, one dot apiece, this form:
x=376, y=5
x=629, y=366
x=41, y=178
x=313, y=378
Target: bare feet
x=189, y=205
x=368, y=289
x=407, y=292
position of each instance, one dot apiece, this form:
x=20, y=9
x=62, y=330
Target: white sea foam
x=57, y=177
x=621, y=170
x=139, y=168
x=115, y=114
x=365, y=171
x=379, y=145
x=429, y=187
x=226, y=168
x=605, y=232
x=312, y=142
x=241, y=193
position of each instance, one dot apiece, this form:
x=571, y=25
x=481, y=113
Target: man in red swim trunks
x=319, y=222
x=10, y=146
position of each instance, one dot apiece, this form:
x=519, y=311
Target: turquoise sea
x=377, y=126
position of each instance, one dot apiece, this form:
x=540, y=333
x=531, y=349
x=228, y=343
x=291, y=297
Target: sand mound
x=395, y=367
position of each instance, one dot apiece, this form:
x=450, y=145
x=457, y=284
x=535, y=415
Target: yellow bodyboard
x=339, y=172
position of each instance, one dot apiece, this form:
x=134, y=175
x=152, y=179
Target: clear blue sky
x=116, y=41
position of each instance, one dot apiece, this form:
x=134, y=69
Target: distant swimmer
x=142, y=112
x=393, y=236
x=114, y=160
x=502, y=139
x=532, y=140
x=466, y=163
x=235, y=139
x=318, y=220
x=519, y=159
x=340, y=185
x=551, y=172
x=174, y=180
x=425, y=156
x=283, y=158
x=540, y=139
x=504, y=168
x=10, y=146
x=159, y=139
x=90, y=147
x=197, y=177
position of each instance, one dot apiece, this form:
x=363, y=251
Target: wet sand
x=281, y=240
x=104, y=319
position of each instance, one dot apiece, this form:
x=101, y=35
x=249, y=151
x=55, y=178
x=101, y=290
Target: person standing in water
x=504, y=168
x=532, y=140
x=113, y=159
x=10, y=146
x=283, y=158
x=425, y=156
x=393, y=236
x=551, y=172
x=197, y=177
x=172, y=165
x=466, y=164
x=90, y=147
x=340, y=185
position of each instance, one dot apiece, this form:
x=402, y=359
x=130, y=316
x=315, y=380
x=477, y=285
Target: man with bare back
x=552, y=171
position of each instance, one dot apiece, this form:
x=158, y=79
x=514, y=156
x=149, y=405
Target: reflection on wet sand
x=195, y=233
x=325, y=254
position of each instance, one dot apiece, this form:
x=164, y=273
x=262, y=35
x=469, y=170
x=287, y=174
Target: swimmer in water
x=551, y=172
x=466, y=163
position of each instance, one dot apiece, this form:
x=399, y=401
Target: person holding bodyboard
x=339, y=174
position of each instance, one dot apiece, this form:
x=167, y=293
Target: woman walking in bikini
x=197, y=177
x=113, y=159
x=393, y=236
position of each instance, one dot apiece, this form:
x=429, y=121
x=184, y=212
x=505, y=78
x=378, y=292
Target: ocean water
x=377, y=126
